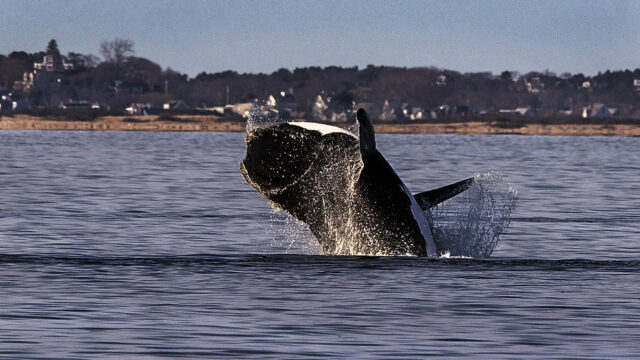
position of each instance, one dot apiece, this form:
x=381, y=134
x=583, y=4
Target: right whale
x=343, y=188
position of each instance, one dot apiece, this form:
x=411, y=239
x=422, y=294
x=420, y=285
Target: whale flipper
x=367, y=135
x=431, y=198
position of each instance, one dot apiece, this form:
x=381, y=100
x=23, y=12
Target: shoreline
x=218, y=124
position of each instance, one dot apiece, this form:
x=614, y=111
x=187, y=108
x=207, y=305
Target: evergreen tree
x=52, y=48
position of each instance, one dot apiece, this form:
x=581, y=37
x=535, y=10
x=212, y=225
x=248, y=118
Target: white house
x=534, y=85
x=175, y=105
x=53, y=63
x=138, y=108
x=522, y=111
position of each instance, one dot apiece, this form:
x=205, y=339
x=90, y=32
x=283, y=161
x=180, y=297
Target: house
x=271, y=101
x=319, y=109
x=417, y=113
x=525, y=111
x=534, y=84
x=175, y=105
x=388, y=113
x=522, y=111
x=636, y=85
x=53, y=63
x=404, y=111
x=441, y=112
x=597, y=110
x=444, y=80
x=138, y=109
x=590, y=85
x=284, y=103
x=26, y=84
x=242, y=109
x=20, y=104
x=76, y=105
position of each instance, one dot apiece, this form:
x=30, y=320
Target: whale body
x=343, y=188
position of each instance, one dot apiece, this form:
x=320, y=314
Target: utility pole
x=166, y=88
x=227, y=94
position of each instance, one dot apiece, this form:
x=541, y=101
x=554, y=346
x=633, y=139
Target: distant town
x=120, y=83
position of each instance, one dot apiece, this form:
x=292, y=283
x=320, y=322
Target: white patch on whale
x=421, y=220
x=321, y=128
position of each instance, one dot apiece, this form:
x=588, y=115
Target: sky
x=262, y=36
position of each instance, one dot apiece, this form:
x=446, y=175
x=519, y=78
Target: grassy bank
x=610, y=127
x=124, y=123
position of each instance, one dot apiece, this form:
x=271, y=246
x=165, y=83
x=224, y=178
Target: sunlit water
x=151, y=245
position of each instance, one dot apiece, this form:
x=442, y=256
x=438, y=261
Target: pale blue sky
x=262, y=36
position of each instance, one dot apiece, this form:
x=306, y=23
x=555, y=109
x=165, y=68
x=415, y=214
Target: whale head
x=279, y=156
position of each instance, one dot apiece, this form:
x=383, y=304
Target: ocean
x=148, y=245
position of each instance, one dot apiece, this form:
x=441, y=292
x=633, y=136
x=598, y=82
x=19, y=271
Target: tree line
x=119, y=78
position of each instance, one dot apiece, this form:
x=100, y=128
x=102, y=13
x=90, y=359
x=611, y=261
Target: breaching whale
x=342, y=187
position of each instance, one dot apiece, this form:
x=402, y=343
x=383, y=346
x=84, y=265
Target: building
x=242, y=109
x=175, y=105
x=441, y=111
x=26, y=84
x=444, y=80
x=20, y=104
x=522, y=111
x=138, y=109
x=387, y=113
x=53, y=63
x=534, y=85
x=76, y=105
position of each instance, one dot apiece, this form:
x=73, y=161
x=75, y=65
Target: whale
x=342, y=188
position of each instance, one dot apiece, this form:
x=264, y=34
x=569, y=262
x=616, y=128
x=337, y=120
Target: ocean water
x=123, y=245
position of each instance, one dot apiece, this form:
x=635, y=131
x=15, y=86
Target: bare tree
x=116, y=51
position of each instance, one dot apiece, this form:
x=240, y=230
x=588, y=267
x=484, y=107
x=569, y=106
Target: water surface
x=151, y=245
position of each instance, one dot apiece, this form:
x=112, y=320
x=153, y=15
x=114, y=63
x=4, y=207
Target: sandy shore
x=212, y=123
x=122, y=123
x=484, y=128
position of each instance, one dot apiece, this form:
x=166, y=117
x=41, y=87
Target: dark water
x=150, y=245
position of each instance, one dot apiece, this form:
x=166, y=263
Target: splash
x=262, y=115
x=466, y=226
x=290, y=236
x=470, y=224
